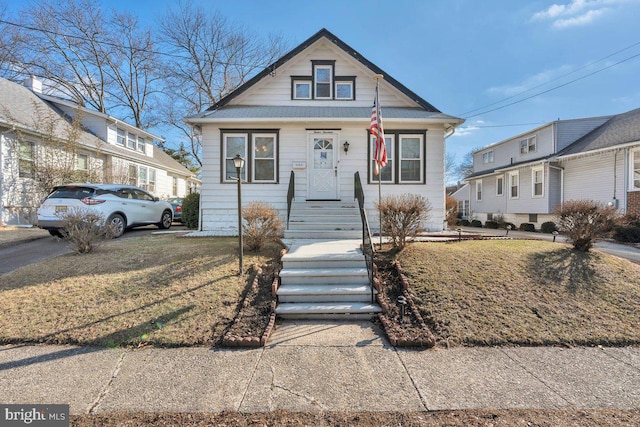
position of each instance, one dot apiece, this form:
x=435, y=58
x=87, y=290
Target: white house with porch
x=306, y=118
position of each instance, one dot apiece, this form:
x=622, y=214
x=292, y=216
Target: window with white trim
x=405, y=158
x=528, y=145
x=514, y=185
x=323, y=81
x=141, y=145
x=487, y=157
x=131, y=140
x=537, y=182
x=174, y=187
x=143, y=177
x=411, y=158
x=259, y=149
x=301, y=89
x=25, y=159
x=133, y=174
x=345, y=88
x=386, y=173
x=500, y=186
x=635, y=170
x=479, y=191
x=121, y=137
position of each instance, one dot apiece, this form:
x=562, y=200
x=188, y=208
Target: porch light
x=345, y=146
x=238, y=162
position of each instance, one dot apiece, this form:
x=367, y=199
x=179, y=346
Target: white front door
x=323, y=170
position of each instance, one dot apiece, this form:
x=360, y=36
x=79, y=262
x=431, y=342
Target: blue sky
x=465, y=55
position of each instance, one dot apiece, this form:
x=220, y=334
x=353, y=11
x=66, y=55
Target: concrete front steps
x=324, y=274
x=324, y=220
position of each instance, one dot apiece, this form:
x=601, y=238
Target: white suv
x=123, y=206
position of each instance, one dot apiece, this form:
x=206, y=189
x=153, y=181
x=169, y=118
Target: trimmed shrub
x=191, y=210
x=508, y=224
x=85, y=230
x=491, y=224
x=260, y=225
x=465, y=223
x=476, y=223
x=548, y=227
x=626, y=233
x=401, y=216
x=583, y=221
x=527, y=226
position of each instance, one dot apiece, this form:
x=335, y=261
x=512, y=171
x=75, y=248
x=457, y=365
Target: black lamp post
x=238, y=162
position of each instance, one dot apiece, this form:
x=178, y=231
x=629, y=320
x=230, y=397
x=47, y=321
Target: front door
x=323, y=171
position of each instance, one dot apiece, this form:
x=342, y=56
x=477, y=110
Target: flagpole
x=377, y=78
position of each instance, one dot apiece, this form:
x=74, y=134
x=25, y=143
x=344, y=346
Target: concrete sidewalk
x=315, y=366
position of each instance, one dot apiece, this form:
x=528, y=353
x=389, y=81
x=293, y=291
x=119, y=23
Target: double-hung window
x=487, y=157
x=537, y=182
x=514, y=185
x=121, y=138
x=25, y=159
x=405, y=158
x=143, y=178
x=528, y=145
x=258, y=148
x=479, y=191
x=131, y=140
x=499, y=186
x=323, y=81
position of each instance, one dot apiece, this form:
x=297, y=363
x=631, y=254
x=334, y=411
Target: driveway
x=21, y=253
x=617, y=249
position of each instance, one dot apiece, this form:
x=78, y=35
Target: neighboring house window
x=175, y=186
x=537, y=180
x=25, y=159
x=142, y=178
x=121, y=137
x=487, y=157
x=141, y=145
x=323, y=81
x=407, y=151
x=635, y=169
x=131, y=141
x=82, y=165
x=258, y=148
x=478, y=191
x=152, y=181
x=514, y=184
x=463, y=208
x=411, y=158
x=133, y=175
x=528, y=145
x=499, y=186
x=386, y=173
x=301, y=88
x=345, y=88
x=533, y=217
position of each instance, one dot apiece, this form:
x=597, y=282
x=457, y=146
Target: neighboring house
x=462, y=195
x=523, y=179
x=309, y=113
x=41, y=136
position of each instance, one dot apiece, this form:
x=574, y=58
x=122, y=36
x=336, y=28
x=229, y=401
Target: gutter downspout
x=444, y=223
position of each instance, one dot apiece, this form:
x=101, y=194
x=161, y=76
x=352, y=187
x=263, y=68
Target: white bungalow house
x=309, y=113
x=39, y=132
x=526, y=177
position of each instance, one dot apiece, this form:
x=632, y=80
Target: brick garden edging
x=427, y=341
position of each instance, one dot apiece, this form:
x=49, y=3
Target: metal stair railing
x=290, y=194
x=367, y=244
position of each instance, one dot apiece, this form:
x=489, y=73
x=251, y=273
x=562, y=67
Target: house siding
x=570, y=131
x=596, y=177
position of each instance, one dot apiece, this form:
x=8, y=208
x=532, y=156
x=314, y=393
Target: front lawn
x=158, y=290
x=500, y=292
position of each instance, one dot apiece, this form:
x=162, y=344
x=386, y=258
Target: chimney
x=33, y=84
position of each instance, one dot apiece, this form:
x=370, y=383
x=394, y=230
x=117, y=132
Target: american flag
x=380, y=156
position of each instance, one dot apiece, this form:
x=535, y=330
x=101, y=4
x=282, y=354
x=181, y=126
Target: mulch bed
x=406, y=329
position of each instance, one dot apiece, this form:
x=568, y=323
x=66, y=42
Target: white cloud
x=465, y=130
x=575, y=13
x=530, y=82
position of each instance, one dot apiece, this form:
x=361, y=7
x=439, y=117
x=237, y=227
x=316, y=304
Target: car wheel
x=55, y=233
x=117, y=222
x=165, y=222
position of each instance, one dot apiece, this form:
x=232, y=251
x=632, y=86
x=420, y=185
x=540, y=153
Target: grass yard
x=157, y=290
x=500, y=292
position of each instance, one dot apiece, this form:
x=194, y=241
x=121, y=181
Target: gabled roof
x=304, y=45
x=618, y=130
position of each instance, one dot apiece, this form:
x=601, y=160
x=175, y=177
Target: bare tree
x=97, y=57
x=208, y=58
x=11, y=39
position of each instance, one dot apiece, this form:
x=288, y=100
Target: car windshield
x=71, y=193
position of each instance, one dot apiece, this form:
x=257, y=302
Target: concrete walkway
x=315, y=366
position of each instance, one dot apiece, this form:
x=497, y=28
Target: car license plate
x=61, y=209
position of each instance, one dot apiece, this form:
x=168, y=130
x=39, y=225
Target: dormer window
x=323, y=84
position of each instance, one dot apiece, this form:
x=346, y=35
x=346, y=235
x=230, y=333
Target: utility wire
x=549, y=81
x=554, y=88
